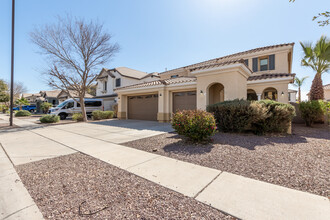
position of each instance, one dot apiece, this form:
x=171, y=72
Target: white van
x=71, y=106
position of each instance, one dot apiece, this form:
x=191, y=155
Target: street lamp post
x=12, y=63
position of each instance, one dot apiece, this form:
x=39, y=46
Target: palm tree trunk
x=299, y=94
x=317, y=92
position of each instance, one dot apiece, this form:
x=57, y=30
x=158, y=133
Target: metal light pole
x=12, y=63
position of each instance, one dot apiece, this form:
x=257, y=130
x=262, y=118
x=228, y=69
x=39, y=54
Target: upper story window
x=118, y=82
x=263, y=64
x=174, y=76
x=105, y=85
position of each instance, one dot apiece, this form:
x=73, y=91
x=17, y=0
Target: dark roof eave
x=107, y=96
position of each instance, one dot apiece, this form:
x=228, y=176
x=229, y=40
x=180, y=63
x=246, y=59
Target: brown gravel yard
x=61, y=185
x=300, y=161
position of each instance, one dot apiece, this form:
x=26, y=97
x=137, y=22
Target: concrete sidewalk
x=19, y=122
x=15, y=201
x=236, y=195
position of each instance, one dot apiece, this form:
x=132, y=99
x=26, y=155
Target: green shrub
x=45, y=106
x=22, y=113
x=311, y=111
x=278, y=117
x=3, y=108
x=99, y=115
x=257, y=116
x=77, y=117
x=50, y=119
x=197, y=125
x=237, y=115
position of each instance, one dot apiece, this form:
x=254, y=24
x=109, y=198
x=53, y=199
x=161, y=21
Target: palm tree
x=318, y=58
x=20, y=102
x=298, y=83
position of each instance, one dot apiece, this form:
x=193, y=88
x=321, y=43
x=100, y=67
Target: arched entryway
x=216, y=93
x=270, y=93
x=251, y=95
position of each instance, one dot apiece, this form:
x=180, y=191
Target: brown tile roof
x=128, y=72
x=271, y=76
x=73, y=93
x=161, y=82
x=218, y=65
x=220, y=59
x=51, y=93
x=326, y=86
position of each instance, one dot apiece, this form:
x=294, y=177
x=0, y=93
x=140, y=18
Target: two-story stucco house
x=111, y=79
x=261, y=73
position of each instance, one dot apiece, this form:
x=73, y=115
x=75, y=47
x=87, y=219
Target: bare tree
x=19, y=89
x=75, y=50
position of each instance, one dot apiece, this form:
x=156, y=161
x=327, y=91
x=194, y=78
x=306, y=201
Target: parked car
x=71, y=106
x=30, y=108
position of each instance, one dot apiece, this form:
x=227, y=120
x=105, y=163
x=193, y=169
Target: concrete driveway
x=30, y=144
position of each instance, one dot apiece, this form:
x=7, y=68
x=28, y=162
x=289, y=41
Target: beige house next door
x=143, y=107
x=184, y=101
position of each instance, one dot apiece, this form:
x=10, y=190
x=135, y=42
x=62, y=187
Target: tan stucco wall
x=235, y=87
x=327, y=95
x=281, y=86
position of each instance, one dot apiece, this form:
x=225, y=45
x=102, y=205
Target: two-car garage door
x=184, y=101
x=143, y=107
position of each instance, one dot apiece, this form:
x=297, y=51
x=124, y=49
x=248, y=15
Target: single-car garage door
x=184, y=101
x=143, y=107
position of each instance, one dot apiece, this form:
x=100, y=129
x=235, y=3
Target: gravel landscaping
x=77, y=186
x=299, y=161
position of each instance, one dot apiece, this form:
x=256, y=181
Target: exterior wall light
x=202, y=92
x=160, y=94
x=282, y=93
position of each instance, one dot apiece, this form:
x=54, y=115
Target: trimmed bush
x=45, y=106
x=237, y=115
x=197, y=125
x=257, y=116
x=99, y=115
x=22, y=113
x=77, y=117
x=311, y=111
x=278, y=117
x=50, y=119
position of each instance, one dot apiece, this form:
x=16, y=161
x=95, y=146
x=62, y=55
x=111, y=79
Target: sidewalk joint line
x=55, y=141
x=18, y=211
x=142, y=162
x=207, y=185
x=4, y=150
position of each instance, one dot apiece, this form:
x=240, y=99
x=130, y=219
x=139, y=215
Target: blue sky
x=155, y=35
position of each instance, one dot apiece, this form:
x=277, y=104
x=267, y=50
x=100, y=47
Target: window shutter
x=246, y=62
x=272, y=62
x=255, y=64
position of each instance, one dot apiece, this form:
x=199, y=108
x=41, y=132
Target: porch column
x=259, y=96
x=163, y=114
x=122, y=107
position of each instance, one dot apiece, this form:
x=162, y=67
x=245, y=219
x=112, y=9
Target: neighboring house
x=63, y=95
x=326, y=89
x=111, y=79
x=31, y=98
x=261, y=73
x=292, y=95
x=50, y=96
